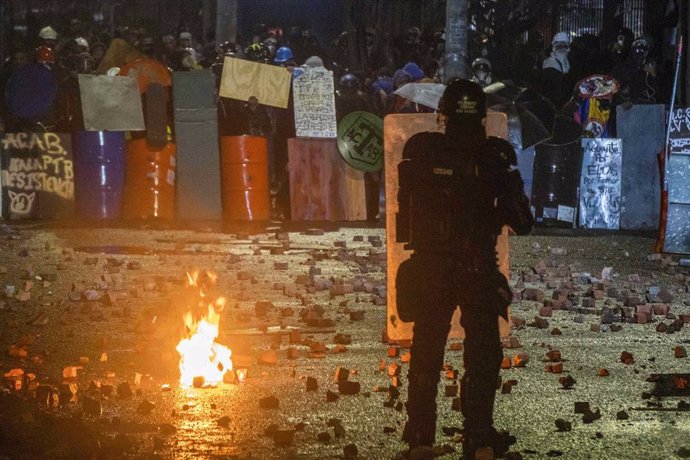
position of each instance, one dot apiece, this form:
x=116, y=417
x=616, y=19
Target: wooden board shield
x=397, y=130
x=243, y=79
x=322, y=185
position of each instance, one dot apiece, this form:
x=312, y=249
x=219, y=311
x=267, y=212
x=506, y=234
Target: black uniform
x=455, y=195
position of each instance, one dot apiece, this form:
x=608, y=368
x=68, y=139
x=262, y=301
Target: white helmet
x=48, y=33
x=561, y=37
x=81, y=41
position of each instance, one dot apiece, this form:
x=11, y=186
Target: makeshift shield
x=398, y=129
x=360, y=141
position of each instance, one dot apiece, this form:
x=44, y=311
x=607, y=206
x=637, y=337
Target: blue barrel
x=99, y=173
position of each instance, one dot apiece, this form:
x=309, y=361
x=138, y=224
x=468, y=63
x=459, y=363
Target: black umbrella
x=532, y=114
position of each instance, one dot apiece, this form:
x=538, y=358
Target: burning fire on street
x=203, y=361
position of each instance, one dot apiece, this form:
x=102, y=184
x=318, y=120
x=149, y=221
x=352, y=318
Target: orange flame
x=203, y=361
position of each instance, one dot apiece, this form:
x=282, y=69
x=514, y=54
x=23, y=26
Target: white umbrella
x=428, y=94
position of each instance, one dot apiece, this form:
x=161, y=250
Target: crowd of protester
x=368, y=83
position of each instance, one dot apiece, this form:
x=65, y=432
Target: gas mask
x=640, y=54
x=482, y=77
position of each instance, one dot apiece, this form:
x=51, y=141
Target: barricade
x=149, y=181
x=99, y=173
x=244, y=178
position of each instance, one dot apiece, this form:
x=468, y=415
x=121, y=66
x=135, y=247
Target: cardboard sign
x=600, y=184
x=242, y=79
x=37, y=175
x=314, y=96
x=111, y=103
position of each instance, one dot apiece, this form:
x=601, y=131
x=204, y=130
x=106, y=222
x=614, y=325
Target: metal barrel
x=99, y=173
x=555, y=183
x=244, y=178
x=149, y=181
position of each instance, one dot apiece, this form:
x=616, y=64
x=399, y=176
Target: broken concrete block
x=269, y=402
x=346, y=387
x=124, y=390
x=546, y=312
x=261, y=308
x=145, y=407
x=627, y=358
x=341, y=374
x=553, y=356
x=520, y=360
x=533, y=294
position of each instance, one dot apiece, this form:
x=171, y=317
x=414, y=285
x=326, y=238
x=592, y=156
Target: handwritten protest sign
x=111, y=103
x=677, y=229
x=600, y=184
x=37, y=175
x=242, y=79
x=314, y=95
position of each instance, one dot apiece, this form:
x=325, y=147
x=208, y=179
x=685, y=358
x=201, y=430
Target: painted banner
x=243, y=79
x=37, y=175
x=600, y=183
x=111, y=103
x=314, y=96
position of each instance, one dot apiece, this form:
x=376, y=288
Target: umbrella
x=427, y=94
x=534, y=113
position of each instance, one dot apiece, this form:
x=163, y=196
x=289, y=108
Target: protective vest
x=455, y=199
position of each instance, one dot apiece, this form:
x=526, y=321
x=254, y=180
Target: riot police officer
x=457, y=190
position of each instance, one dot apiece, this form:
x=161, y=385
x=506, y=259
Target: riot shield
x=397, y=130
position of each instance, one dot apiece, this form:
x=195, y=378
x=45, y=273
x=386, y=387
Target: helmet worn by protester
x=48, y=33
x=481, y=71
x=44, y=55
x=560, y=37
x=257, y=52
x=349, y=80
x=283, y=54
x=463, y=100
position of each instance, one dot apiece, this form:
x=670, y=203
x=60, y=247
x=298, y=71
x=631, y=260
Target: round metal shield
x=598, y=87
x=31, y=91
x=360, y=141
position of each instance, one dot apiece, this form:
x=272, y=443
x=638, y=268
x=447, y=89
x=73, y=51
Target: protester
x=456, y=192
x=556, y=82
x=283, y=121
x=638, y=75
x=481, y=72
x=48, y=37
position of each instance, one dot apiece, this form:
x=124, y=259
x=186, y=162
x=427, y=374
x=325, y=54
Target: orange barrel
x=149, y=181
x=244, y=177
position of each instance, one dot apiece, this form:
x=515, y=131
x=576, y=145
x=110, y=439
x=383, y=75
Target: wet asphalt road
x=137, y=275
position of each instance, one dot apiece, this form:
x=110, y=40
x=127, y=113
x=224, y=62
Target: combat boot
x=487, y=446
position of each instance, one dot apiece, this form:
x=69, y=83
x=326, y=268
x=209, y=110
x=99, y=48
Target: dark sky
x=323, y=17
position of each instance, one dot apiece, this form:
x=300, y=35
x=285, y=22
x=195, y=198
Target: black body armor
x=456, y=202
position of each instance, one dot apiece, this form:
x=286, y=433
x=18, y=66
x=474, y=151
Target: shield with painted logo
x=360, y=141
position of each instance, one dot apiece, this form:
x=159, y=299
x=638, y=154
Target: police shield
x=399, y=128
x=360, y=141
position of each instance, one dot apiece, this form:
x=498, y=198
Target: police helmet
x=463, y=100
x=349, y=80
x=283, y=55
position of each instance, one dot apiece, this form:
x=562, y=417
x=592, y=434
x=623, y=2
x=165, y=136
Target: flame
x=203, y=361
